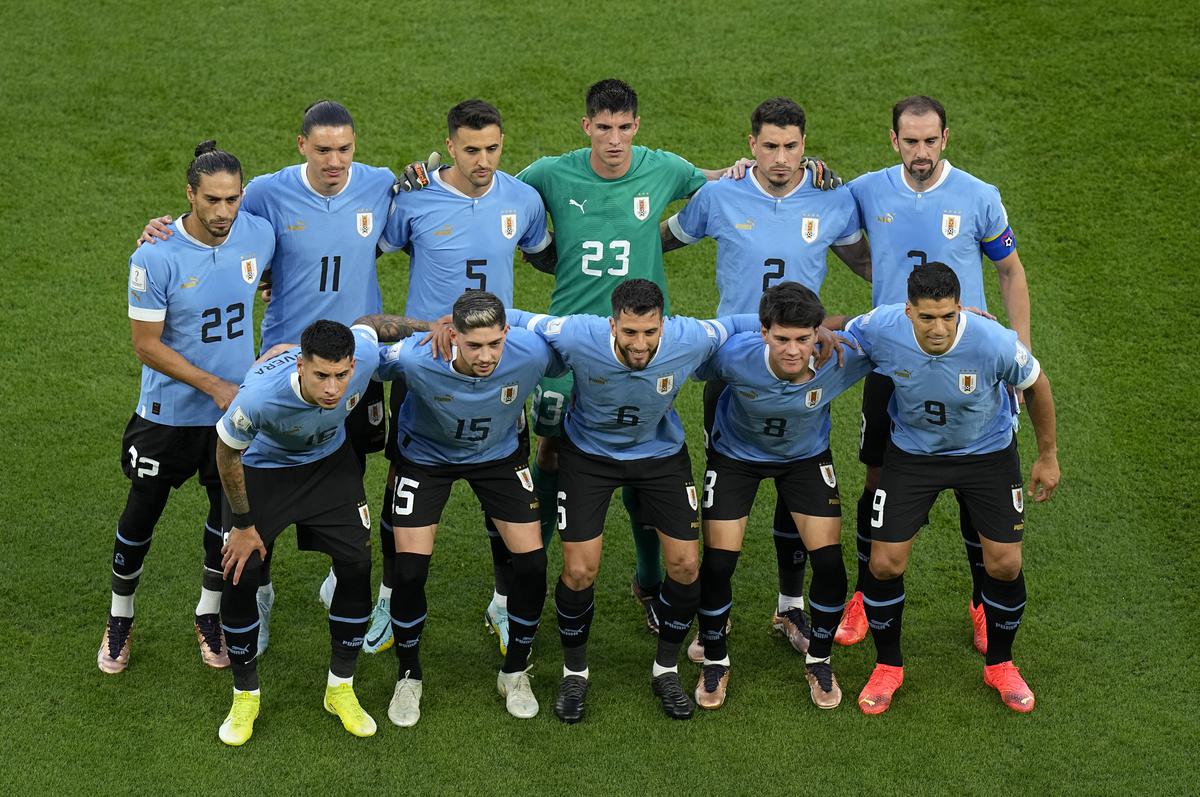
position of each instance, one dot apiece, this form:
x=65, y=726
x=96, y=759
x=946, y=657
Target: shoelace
x=574, y=689
x=713, y=674
x=211, y=631
x=118, y=632
x=824, y=675
x=796, y=615
x=242, y=710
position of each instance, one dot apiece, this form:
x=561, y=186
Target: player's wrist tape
x=242, y=520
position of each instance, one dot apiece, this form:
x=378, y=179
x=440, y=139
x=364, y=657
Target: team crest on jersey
x=364, y=515
x=641, y=207
x=812, y=398
x=508, y=225
x=1018, y=499
x=508, y=393
x=951, y=222
x=352, y=402
x=375, y=413
x=249, y=270
x=366, y=223
x=967, y=380
x=809, y=227
x=526, y=479
x=664, y=384
x=691, y=494
x=828, y=475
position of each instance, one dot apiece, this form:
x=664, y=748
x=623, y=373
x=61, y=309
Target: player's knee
x=886, y=565
x=143, y=508
x=579, y=575
x=683, y=566
x=1004, y=567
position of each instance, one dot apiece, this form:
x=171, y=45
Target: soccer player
x=328, y=214
x=776, y=224
x=460, y=232
x=460, y=420
x=919, y=211
x=772, y=422
x=190, y=304
x=285, y=459
x=954, y=417
x=621, y=430
x=605, y=202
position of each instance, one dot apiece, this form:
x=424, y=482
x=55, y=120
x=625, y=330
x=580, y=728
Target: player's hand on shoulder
x=240, y=545
x=739, y=169
x=222, y=393
x=274, y=351
x=439, y=333
x=416, y=174
x=830, y=343
x=156, y=230
x=1044, y=477
x=824, y=177
x=978, y=311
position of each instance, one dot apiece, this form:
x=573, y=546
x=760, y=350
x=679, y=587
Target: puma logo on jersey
x=297, y=227
x=190, y=282
x=578, y=204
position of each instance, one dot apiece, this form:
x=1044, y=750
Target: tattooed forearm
x=392, y=327
x=233, y=478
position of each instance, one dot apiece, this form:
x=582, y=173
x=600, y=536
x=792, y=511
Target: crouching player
x=772, y=422
x=463, y=419
x=285, y=459
x=953, y=428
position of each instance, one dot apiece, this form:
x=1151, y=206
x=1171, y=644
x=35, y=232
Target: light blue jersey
x=953, y=403
x=325, y=247
x=275, y=427
x=953, y=221
x=616, y=411
x=204, y=297
x=460, y=243
x=762, y=418
x=763, y=240
x=450, y=418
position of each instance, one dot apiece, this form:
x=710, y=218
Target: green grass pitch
x=1084, y=115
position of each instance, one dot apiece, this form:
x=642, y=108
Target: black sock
x=239, y=621
x=502, y=564
x=884, y=604
x=143, y=507
x=387, y=537
x=716, y=600
x=676, y=606
x=575, y=609
x=349, y=615
x=790, y=554
x=525, y=603
x=974, y=552
x=212, y=578
x=826, y=598
x=1003, y=605
x=409, y=610
x=264, y=569
x=862, y=538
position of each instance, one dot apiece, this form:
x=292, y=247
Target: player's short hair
x=933, y=280
x=478, y=310
x=610, y=94
x=919, y=105
x=325, y=113
x=474, y=114
x=790, y=304
x=328, y=340
x=778, y=111
x=211, y=160
x=637, y=297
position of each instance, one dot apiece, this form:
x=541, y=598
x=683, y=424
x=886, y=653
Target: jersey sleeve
x=549, y=328
x=366, y=347
x=254, y=198
x=855, y=365
x=397, y=231
x=1015, y=364
x=741, y=322
x=689, y=178
x=691, y=224
x=853, y=231
x=239, y=424
x=394, y=358
x=535, y=173
x=859, y=329
x=147, y=288
x=998, y=241
x=536, y=237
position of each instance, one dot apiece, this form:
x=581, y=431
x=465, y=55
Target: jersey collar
x=304, y=179
x=945, y=175
x=958, y=335
x=295, y=383
x=179, y=228
x=437, y=178
x=753, y=175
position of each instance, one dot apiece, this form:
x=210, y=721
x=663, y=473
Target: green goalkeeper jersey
x=606, y=231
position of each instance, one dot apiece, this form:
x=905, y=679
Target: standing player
x=460, y=420
x=954, y=418
x=772, y=422
x=190, y=304
x=328, y=214
x=776, y=224
x=621, y=430
x=460, y=232
x=919, y=211
x=605, y=202
x=285, y=459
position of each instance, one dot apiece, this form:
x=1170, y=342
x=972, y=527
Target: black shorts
x=366, y=425
x=666, y=493
x=876, y=431
x=324, y=499
x=504, y=488
x=988, y=486
x=171, y=454
x=807, y=486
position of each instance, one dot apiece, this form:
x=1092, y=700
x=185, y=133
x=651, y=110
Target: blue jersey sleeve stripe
x=228, y=439
x=678, y=231
x=1034, y=372
x=541, y=245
